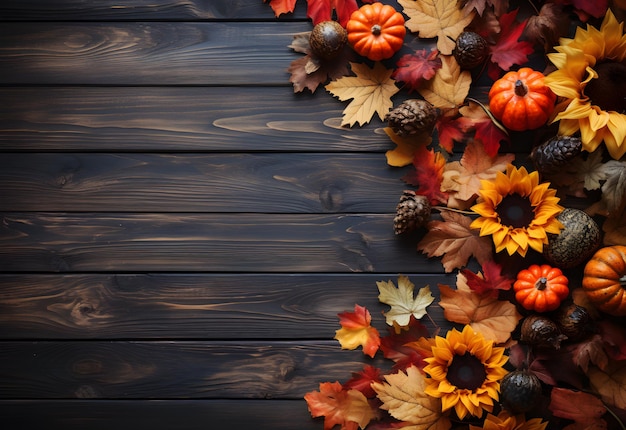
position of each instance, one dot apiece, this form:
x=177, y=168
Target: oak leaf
x=403, y=397
x=415, y=69
x=610, y=383
x=454, y=241
x=494, y=318
x=403, y=301
x=370, y=90
x=406, y=147
x=347, y=408
x=428, y=175
x=356, y=330
x=578, y=406
x=442, y=19
x=449, y=87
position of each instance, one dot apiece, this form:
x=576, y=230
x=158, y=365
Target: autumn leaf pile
x=584, y=382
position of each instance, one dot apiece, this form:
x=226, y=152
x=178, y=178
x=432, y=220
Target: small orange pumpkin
x=376, y=31
x=521, y=100
x=541, y=288
x=604, y=279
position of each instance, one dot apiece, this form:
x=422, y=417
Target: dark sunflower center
x=608, y=91
x=515, y=211
x=466, y=372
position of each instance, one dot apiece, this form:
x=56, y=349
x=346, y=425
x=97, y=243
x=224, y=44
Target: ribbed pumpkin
x=541, y=288
x=376, y=31
x=521, y=100
x=604, y=280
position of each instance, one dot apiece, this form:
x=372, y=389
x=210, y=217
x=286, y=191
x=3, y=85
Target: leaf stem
x=614, y=415
x=445, y=208
x=530, y=2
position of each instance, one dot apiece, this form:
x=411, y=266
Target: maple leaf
x=584, y=8
x=490, y=279
x=453, y=239
x=406, y=147
x=281, y=6
x=347, y=408
x=486, y=128
x=580, y=407
x=414, y=69
x=499, y=6
x=403, y=397
x=402, y=300
x=442, y=19
x=449, y=87
x=362, y=381
x=322, y=10
x=548, y=27
x=370, y=91
x=610, y=383
x=614, y=338
x=394, y=345
x=613, y=192
x=428, y=175
x=356, y=330
x=590, y=350
x=451, y=129
x=508, y=50
x=494, y=318
x=461, y=179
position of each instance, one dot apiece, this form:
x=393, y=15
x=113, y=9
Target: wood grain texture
x=173, y=369
x=213, y=306
x=49, y=242
x=267, y=183
x=210, y=414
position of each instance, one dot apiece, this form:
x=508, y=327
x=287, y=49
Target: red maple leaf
x=491, y=279
x=362, y=381
x=428, y=175
x=282, y=6
x=509, y=50
x=451, y=130
x=414, y=69
x=490, y=136
x=394, y=346
x=322, y=10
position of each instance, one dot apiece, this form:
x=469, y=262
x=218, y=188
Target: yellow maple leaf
x=402, y=301
x=494, y=319
x=443, y=19
x=404, y=152
x=371, y=90
x=403, y=397
x=449, y=87
x=610, y=383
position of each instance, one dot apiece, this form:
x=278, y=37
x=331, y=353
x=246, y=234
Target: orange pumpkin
x=521, y=100
x=604, y=280
x=376, y=31
x=541, y=288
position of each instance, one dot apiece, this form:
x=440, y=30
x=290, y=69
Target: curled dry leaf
x=546, y=28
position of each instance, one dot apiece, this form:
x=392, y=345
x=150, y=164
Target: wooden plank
x=103, y=414
x=177, y=306
x=149, y=53
x=277, y=183
x=240, y=243
x=123, y=119
x=171, y=10
x=173, y=370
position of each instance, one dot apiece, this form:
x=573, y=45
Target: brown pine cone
x=555, y=153
x=412, y=212
x=412, y=116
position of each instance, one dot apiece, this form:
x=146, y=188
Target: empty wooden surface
x=178, y=229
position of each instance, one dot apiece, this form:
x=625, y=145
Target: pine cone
x=555, y=152
x=412, y=116
x=412, y=212
x=470, y=50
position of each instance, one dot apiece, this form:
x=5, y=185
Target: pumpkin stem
x=376, y=29
x=541, y=283
x=520, y=88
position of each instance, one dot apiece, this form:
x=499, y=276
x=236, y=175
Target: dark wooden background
x=178, y=228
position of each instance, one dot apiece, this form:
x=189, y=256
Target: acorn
x=574, y=321
x=470, y=50
x=577, y=241
x=541, y=331
x=520, y=391
x=328, y=39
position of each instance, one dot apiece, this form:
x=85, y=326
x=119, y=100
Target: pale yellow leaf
x=442, y=19
x=403, y=397
x=402, y=300
x=404, y=152
x=449, y=87
x=370, y=90
x=610, y=383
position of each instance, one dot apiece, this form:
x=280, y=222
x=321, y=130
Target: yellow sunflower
x=465, y=372
x=504, y=421
x=591, y=80
x=517, y=211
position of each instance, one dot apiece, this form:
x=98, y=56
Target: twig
x=614, y=415
x=533, y=6
x=445, y=208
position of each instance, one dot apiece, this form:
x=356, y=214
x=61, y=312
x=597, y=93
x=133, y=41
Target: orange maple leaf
x=578, y=406
x=428, y=175
x=281, y=6
x=347, y=408
x=356, y=330
x=455, y=241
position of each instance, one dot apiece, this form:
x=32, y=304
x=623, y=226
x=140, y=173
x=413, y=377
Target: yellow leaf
x=370, y=90
x=442, y=19
x=402, y=301
x=404, y=152
x=449, y=87
x=494, y=318
x=403, y=397
x=610, y=383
